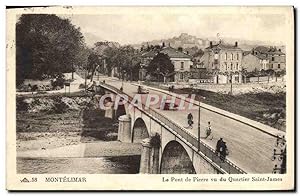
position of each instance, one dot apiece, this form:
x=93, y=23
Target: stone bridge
x=168, y=148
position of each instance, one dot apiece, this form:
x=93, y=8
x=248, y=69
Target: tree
x=244, y=74
x=46, y=45
x=94, y=61
x=125, y=59
x=161, y=65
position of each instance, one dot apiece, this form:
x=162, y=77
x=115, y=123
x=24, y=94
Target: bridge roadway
x=249, y=148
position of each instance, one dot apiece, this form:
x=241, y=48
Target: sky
x=134, y=29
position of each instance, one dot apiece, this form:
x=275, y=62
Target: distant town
x=205, y=61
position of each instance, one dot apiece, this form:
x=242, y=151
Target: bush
x=21, y=104
x=59, y=81
x=81, y=86
x=24, y=88
x=59, y=106
x=34, y=88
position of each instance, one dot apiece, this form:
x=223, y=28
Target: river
x=99, y=165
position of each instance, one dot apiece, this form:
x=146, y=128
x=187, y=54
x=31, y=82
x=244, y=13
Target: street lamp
x=123, y=73
x=199, y=122
x=85, y=77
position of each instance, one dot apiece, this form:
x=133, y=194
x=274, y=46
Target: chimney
x=236, y=44
x=210, y=43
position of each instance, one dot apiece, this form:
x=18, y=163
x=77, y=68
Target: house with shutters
x=224, y=61
x=276, y=58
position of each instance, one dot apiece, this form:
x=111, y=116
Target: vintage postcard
x=150, y=98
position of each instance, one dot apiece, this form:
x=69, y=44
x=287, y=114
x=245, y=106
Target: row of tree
x=126, y=61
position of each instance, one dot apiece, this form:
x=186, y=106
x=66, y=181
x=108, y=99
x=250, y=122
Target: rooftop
x=260, y=56
x=171, y=52
x=223, y=46
x=268, y=50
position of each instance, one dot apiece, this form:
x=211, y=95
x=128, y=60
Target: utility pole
x=200, y=98
x=231, y=83
x=85, y=78
x=72, y=71
x=199, y=126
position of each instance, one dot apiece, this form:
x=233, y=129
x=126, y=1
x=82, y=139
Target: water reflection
x=99, y=165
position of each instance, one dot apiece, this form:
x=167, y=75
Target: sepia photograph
x=170, y=91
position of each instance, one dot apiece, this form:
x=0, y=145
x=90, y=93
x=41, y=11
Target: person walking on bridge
x=190, y=120
x=223, y=151
x=208, y=131
x=219, y=144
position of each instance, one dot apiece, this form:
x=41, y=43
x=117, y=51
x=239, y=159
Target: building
x=251, y=62
x=182, y=63
x=224, y=61
x=276, y=58
x=223, y=57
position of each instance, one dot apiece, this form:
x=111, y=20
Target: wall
x=177, y=64
x=277, y=60
x=184, y=72
x=225, y=64
x=209, y=57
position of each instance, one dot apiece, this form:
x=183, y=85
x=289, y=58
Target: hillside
x=185, y=40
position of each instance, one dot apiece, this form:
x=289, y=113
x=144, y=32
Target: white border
x=106, y=2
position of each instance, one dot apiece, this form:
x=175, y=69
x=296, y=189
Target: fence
x=210, y=153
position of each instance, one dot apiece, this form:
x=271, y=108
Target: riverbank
x=70, y=134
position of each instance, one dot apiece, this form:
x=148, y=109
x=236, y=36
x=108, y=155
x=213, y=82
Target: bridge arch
x=175, y=160
x=139, y=131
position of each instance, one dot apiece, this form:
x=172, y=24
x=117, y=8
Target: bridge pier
x=124, y=130
x=150, y=157
x=110, y=112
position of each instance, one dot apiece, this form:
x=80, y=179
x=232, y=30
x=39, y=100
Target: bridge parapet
x=205, y=151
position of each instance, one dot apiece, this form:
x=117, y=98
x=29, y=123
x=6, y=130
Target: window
x=271, y=66
x=181, y=76
x=231, y=56
x=225, y=56
x=216, y=56
x=226, y=66
x=278, y=66
x=237, y=66
x=273, y=59
x=231, y=66
x=182, y=65
x=237, y=56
